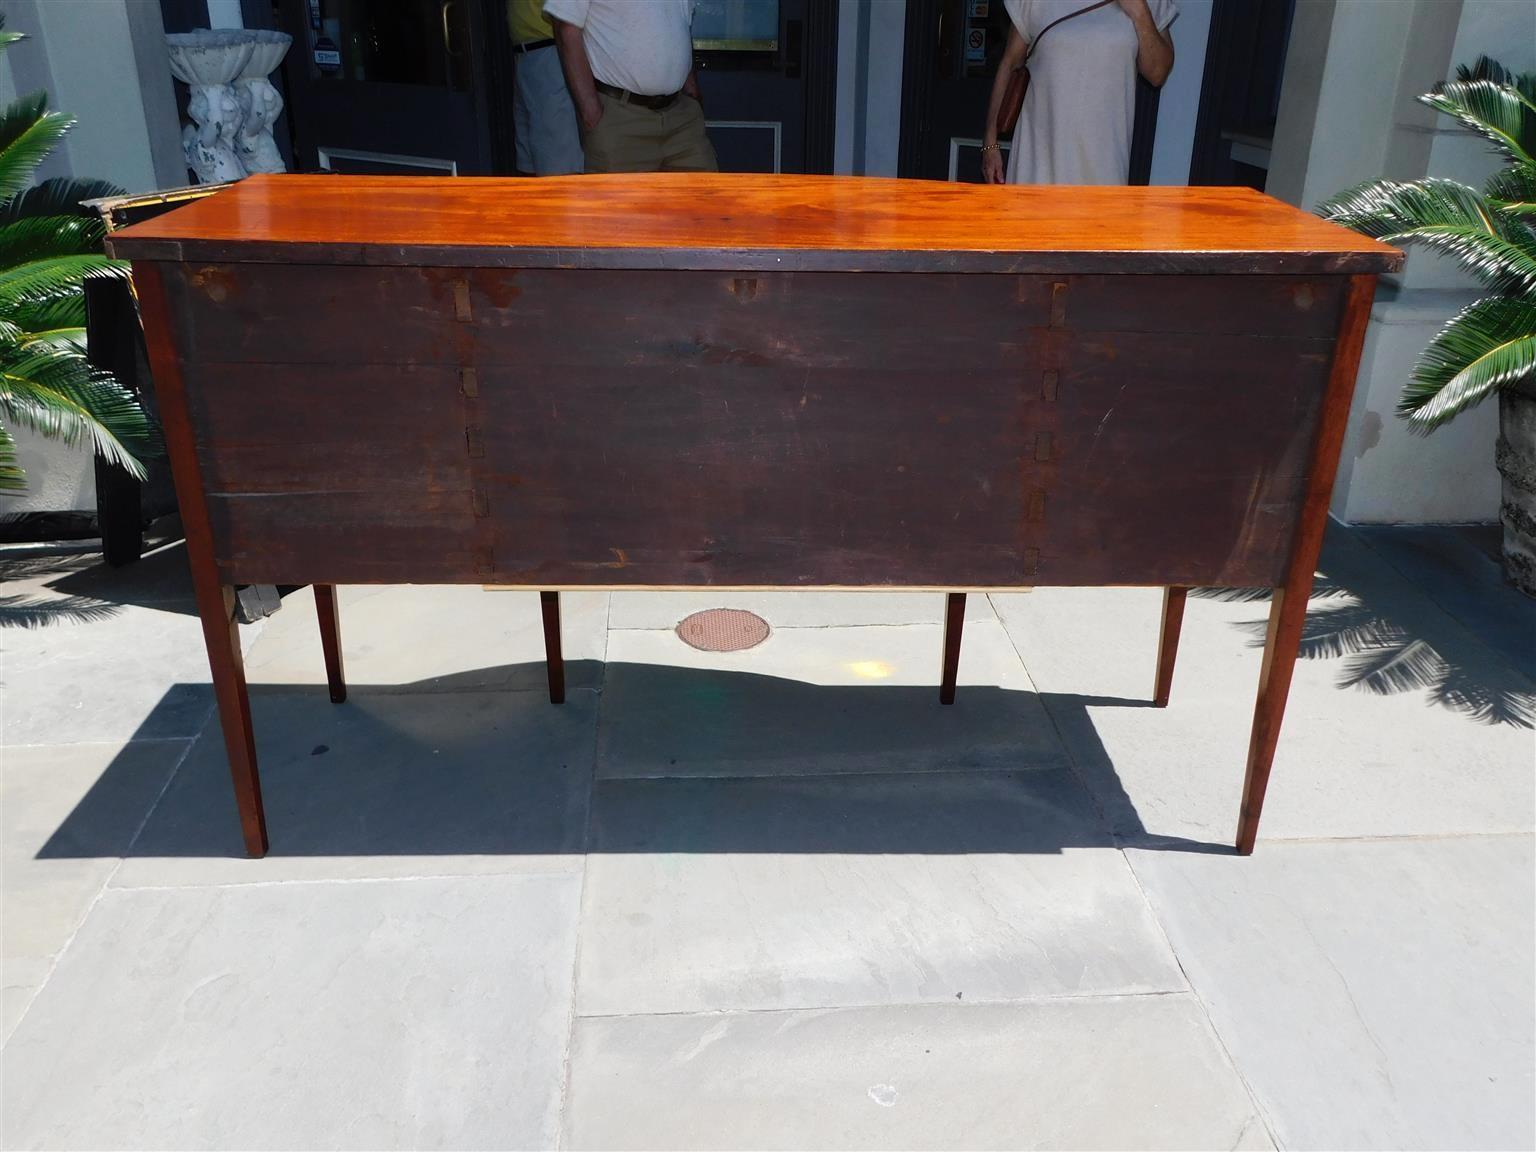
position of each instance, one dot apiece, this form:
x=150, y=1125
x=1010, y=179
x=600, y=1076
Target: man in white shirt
x=629, y=67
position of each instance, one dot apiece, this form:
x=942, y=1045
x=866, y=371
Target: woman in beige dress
x=1078, y=112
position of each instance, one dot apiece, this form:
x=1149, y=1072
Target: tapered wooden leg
x=1168, y=643
x=954, y=626
x=1288, y=609
x=215, y=600
x=216, y=607
x=330, y=640
x=554, y=660
x=1282, y=641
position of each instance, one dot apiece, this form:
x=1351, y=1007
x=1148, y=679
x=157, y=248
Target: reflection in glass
x=391, y=41
x=736, y=26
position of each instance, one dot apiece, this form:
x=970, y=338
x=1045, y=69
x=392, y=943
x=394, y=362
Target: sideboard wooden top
x=748, y=222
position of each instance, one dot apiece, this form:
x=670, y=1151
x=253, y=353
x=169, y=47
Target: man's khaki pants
x=630, y=138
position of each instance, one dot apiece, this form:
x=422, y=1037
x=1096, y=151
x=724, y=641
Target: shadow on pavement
x=1434, y=617
x=72, y=584
x=446, y=771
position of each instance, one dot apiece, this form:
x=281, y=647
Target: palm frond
x=41, y=237
x=1485, y=68
x=1445, y=216
x=57, y=196
x=28, y=132
x=59, y=395
x=1496, y=112
x=1513, y=189
x=39, y=282
x=69, y=339
x=1488, y=345
x=48, y=246
x=48, y=313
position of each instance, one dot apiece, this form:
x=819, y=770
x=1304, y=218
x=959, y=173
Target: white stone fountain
x=233, y=104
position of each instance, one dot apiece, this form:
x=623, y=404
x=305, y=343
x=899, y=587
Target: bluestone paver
x=1375, y=994
x=1095, y=1072
x=721, y=895
x=369, y=1015
x=68, y=813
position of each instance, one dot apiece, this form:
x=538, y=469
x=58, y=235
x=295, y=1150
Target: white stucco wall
x=1348, y=114
x=1506, y=31
x=1388, y=475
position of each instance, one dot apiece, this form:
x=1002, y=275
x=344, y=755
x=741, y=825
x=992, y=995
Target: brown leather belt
x=624, y=96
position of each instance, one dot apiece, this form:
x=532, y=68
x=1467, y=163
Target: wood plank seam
x=1059, y=305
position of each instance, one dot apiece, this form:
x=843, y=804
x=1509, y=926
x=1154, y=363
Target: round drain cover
x=723, y=630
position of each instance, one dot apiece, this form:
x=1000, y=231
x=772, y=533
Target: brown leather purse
x=1018, y=83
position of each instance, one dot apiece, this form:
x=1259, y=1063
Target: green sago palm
x=1491, y=344
x=47, y=249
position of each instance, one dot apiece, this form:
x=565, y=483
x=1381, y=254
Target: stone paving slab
x=1090, y=1072
x=785, y=863
x=809, y=609
x=106, y=673
x=383, y=785
x=55, y=803
x=1400, y=754
x=729, y=895
x=819, y=700
x=1375, y=994
x=433, y=638
x=397, y=1014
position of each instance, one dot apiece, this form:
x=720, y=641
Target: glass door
x=766, y=70
x=387, y=86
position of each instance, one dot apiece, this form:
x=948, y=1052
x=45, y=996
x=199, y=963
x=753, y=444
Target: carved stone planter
x=260, y=102
x=1516, y=456
x=233, y=104
x=209, y=62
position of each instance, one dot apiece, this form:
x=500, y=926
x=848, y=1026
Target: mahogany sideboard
x=677, y=381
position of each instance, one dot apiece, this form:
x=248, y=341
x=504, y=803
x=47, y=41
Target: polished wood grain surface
x=693, y=220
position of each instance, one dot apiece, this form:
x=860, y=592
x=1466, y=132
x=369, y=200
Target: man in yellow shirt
x=548, y=141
